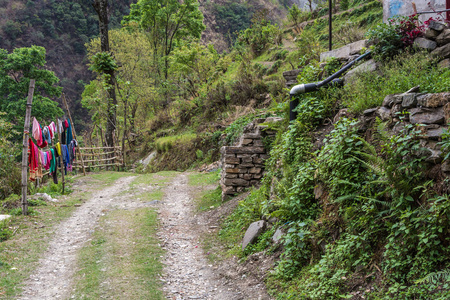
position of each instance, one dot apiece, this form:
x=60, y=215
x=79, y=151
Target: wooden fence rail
x=100, y=157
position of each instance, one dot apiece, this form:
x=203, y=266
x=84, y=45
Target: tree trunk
x=101, y=7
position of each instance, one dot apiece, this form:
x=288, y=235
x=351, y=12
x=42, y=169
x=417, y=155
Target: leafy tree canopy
x=16, y=70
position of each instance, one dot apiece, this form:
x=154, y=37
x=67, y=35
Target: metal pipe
x=330, y=23
x=311, y=87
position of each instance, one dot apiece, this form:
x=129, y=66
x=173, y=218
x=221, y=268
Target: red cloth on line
x=34, y=160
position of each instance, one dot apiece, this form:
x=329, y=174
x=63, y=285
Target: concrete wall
x=392, y=8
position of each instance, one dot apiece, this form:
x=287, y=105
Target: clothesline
x=50, y=159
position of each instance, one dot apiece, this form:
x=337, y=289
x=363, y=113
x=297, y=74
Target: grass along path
x=20, y=254
x=53, y=277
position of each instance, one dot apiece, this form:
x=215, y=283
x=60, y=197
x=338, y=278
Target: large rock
x=424, y=43
x=409, y=100
x=435, y=25
x=368, y=66
x=344, y=52
x=431, y=34
x=433, y=100
x=444, y=37
x=277, y=235
x=252, y=233
x=384, y=113
x=443, y=51
x=426, y=116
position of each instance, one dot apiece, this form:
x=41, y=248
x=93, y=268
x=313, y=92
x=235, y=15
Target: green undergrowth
x=397, y=75
x=206, y=196
x=360, y=217
x=164, y=144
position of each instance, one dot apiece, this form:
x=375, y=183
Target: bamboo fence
x=97, y=158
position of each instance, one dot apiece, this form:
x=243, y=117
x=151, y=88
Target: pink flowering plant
x=391, y=38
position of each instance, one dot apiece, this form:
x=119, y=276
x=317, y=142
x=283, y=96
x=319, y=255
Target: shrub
x=389, y=39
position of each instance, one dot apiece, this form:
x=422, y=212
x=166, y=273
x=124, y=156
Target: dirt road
x=187, y=274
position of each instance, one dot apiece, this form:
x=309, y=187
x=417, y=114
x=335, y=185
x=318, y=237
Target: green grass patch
x=210, y=199
x=166, y=143
x=125, y=253
x=206, y=198
x=396, y=76
x=108, y=177
x=201, y=179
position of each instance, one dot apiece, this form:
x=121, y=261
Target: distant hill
x=63, y=27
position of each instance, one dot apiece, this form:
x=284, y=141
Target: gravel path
x=52, y=279
x=187, y=273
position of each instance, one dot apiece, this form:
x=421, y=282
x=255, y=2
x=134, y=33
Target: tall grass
x=397, y=75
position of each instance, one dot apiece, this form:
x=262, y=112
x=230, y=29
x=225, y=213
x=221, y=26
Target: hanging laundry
x=52, y=128
x=72, y=146
x=69, y=132
x=58, y=148
x=34, y=161
x=46, y=135
x=53, y=165
x=36, y=131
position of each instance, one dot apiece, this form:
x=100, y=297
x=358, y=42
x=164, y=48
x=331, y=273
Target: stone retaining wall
x=243, y=164
x=430, y=111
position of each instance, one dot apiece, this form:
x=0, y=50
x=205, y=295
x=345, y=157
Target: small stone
x=4, y=217
x=445, y=167
x=230, y=170
x=277, y=235
x=435, y=25
x=385, y=113
x=409, y=100
x=246, y=141
x=252, y=233
x=424, y=43
x=232, y=160
x=444, y=64
x=444, y=37
x=370, y=111
x=443, y=52
x=431, y=34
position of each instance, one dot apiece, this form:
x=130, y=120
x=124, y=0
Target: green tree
x=167, y=22
x=16, y=70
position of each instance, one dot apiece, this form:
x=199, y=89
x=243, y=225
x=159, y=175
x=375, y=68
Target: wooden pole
x=61, y=159
x=26, y=128
x=74, y=134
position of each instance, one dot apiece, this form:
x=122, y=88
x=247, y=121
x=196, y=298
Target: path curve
x=53, y=277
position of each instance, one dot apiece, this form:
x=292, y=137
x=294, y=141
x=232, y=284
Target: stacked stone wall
x=430, y=112
x=243, y=164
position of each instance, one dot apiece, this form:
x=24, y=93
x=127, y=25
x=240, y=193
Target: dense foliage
x=16, y=70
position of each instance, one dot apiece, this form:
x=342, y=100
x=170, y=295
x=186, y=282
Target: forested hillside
x=62, y=28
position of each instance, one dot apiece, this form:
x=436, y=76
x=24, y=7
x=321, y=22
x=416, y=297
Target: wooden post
x=26, y=128
x=74, y=134
x=61, y=159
